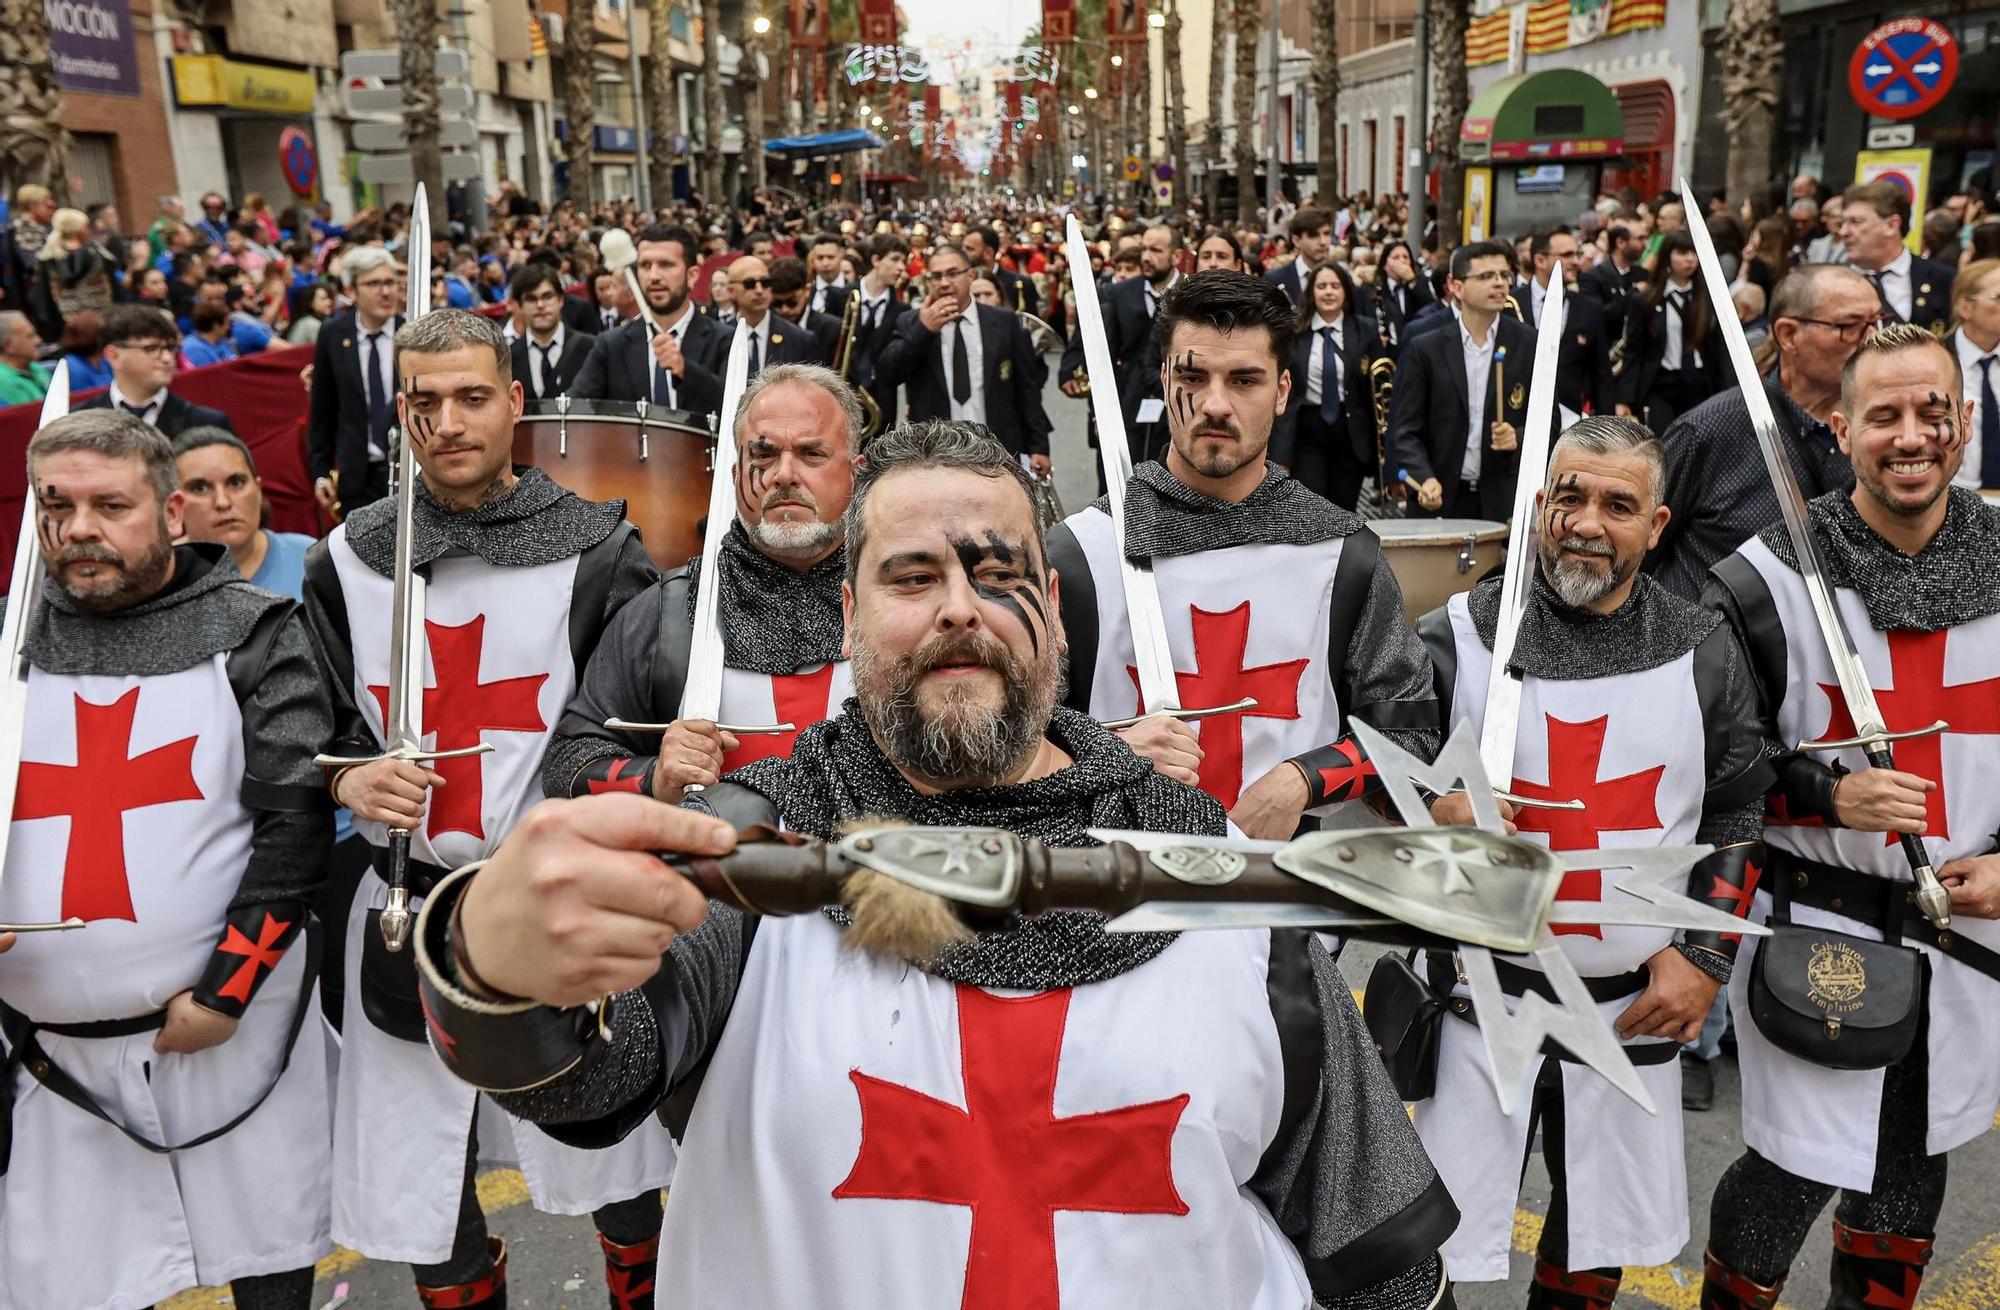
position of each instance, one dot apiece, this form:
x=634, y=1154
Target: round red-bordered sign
x=1903, y=68
x=299, y=160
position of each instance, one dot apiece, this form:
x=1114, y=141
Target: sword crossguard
x=1862, y=741
x=734, y=729
x=70, y=924
x=1185, y=716
x=409, y=753
x=1536, y=802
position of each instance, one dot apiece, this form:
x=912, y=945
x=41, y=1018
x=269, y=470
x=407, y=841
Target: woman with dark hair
x=1326, y=435
x=1768, y=257
x=1673, y=355
x=83, y=351
x=1985, y=243
x=1401, y=292
x=1726, y=232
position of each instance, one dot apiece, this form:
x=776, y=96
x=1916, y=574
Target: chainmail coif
x=1164, y=517
x=565, y=525
x=1952, y=580
x=837, y=775
x=774, y=619
x=1560, y=643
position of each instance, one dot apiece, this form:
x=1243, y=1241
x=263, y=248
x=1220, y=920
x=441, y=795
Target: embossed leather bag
x=1835, y=999
x=1405, y=1019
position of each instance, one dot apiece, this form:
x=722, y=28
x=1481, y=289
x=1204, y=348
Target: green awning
x=1552, y=115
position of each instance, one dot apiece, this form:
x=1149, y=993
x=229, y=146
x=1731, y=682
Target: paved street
x=555, y=1262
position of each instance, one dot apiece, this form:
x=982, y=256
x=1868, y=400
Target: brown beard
x=961, y=744
x=137, y=581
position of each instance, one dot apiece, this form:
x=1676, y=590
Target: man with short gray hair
x=163, y=1086
x=1615, y=673
x=354, y=385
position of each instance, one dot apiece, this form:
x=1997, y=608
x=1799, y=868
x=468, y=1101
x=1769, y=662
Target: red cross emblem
x=457, y=711
x=95, y=792
x=1007, y=1155
x=616, y=778
x=1625, y=804
x=630, y=1288
x=257, y=956
x=1921, y=697
x=799, y=699
x=1220, y=642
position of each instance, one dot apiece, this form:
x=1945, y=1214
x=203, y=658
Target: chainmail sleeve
x=617, y=683
x=286, y=721
x=1389, y=675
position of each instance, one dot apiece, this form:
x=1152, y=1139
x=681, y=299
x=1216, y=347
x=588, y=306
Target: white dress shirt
x=1895, y=281
x=1478, y=373
x=536, y=357
x=151, y=408
x=972, y=410
x=1315, y=366
x=819, y=292
x=1969, y=355
x=676, y=329
x=874, y=309
x=385, y=363
x=1670, y=355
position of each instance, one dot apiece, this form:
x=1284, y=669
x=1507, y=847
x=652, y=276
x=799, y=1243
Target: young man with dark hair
x=680, y=366
x=1312, y=238
x=981, y=247
x=791, y=300
x=1130, y=309
x=548, y=353
x=142, y=348
x=829, y=285
x=1268, y=590
x=882, y=310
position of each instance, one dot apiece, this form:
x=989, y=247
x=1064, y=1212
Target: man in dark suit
x=829, y=290
x=354, y=385
x=141, y=346
x=882, y=311
x=610, y=305
x=773, y=339
x=680, y=365
x=993, y=377
x=1875, y=225
x=981, y=248
x=1461, y=456
x=1129, y=308
x=1326, y=436
x=791, y=300
x=1614, y=279
x=1312, y=239
x=1583, y=368
x=548, y=353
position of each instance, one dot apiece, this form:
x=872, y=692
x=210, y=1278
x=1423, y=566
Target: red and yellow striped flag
x=1548, y=26
x=1486, y=39
x=538, y=40
x=1636, y=15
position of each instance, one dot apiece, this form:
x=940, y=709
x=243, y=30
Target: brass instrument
x=1045, y=338
x=843, y=362
x=1382, y=388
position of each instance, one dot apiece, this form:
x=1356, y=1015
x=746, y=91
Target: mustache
x=792, y=493
x=1587, y=546
x=959, y=648
x=84, y=552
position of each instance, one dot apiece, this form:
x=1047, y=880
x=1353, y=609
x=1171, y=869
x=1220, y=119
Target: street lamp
x=1076, y=109
x=1090, y=93
x=876, y=121
x=761, y=25
x=1118, y=61
x=1156, y=19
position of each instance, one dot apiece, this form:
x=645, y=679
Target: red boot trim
x=1882, y=1246
x=475, y=1293
x=638, y=1253
x=1594, y=1288
x=1741, y=1291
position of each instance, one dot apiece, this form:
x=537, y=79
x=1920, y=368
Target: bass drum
x=1435, y=559
x=659, y=461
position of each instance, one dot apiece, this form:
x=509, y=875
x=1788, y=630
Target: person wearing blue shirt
x=207, y=341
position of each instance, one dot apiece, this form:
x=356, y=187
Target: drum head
x=1414, y=532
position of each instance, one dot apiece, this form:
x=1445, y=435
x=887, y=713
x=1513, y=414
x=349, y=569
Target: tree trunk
x=750, y=84
x=1326, y=93
x=1753, y=60
x=711, y=103
x=34, y=145
x=579, y=74
x=1249, y=15
x=1170, y=53
x=1451, y=94
x=1218, y=68
x=663, y=110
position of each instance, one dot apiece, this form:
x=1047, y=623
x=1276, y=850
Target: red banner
x=878, y=22
x=1013, y=102
x=1125, y=21
x=1058, y=22
x=809, y=23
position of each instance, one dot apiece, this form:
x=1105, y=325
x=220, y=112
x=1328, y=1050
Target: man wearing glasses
x=547, y=353
x=142, y=348
x=354, y=385
x=1717, y=488
x=1875, y=229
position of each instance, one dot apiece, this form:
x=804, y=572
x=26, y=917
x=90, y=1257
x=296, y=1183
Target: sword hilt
x=1932, y=898
x=1536, y=802
x=1185, y=716
x=70, y=924
x=1876, y=735
x=395, y=919
x=734, y=729
x=411, y=754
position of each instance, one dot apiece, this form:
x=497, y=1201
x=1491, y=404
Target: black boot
x=1722, y=1288
x=1875, y=1271
x=1697, y=1083
x=487, y=1293
x=1572, y=1289
x=629, y=1270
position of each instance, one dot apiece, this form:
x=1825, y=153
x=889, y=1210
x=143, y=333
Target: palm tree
x=711, y=101
x=1450, y=95
x=34, y=145
x=663, y=110
x=1753, y=57
x=1170, y=54
x=579, y=76
x=1249, y=24
x=750, y=85
x=417, y=39
x=1326, y=92
x=1218, y=67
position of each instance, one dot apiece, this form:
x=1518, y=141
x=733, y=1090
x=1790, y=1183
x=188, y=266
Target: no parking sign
x=1903, y=68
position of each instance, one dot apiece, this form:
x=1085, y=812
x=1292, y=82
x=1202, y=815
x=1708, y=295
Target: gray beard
x=794, y=540
x=1578, y=584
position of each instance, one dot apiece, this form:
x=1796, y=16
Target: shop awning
x=824, y=143
x=1559, y=113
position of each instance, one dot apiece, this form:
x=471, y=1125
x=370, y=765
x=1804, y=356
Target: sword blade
x=1503, y=683
x=1193, y=916
x=404, y=726
x=1159, y=685
x=701, y=697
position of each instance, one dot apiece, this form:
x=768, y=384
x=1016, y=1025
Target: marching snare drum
x=1435, y=559
x=659, y=461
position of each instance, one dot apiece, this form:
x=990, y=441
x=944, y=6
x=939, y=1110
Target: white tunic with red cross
x=868, y=1136
x=1822, y=1123
x=1242, y=621
x=128, y=816
x=1631, y=748
x=800, y=699
x=498, y=670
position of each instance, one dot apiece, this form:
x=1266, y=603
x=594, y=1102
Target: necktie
x=874, y=315
x=756, y=355
x=1152, y=302
x=961, y=366
x=378, y=391
x=1680, y=301
x=1880, y=277
x=139, y=411
x=1989, y=427
x=610, y=318
x=1329, y=377
x=546, y=382
x=663, y=381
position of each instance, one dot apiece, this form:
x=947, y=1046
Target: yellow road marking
x=1974, y=1283
x=499, y=1189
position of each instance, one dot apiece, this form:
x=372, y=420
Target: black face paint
x=1183, y=398
x=1945, y=430
x=1560, y=519
x=757, y=478
x=1022, y=595
x=420, y=428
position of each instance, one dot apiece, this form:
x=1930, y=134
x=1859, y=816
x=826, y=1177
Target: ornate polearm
x=1871, y=731
x=1152, y=654
x=403, y=727
x=23, y=588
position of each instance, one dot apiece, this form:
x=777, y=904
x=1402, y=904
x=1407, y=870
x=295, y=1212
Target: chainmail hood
x=837, y=774
x=1954, y=579
x=1561, y=643
x=206, y=609
x=1165, y=517
x=536, y=522
x=774, y=619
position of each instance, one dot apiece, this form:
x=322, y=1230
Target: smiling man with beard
x=1188, y=1121
x=1638, y=704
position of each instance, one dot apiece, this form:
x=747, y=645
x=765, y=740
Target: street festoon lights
x=761, y=25
x=1118, y=61
x=1090, y=93
x=1156, y=19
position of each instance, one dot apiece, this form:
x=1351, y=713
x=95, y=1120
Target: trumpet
x=843, y=363
x=1382, y=389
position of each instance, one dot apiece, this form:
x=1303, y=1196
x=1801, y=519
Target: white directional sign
x=389, y=99
x=396, y=136
x=388, y=64
x=398, y=168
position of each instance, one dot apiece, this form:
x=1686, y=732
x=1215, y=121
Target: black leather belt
x=1886, y=904
x=138, y=1023
x=421, y=879
x=1516, y=980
